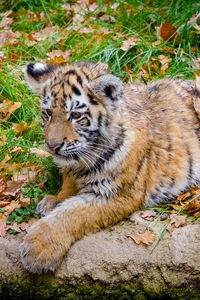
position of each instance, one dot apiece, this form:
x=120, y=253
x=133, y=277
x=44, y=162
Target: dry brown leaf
x=170, y=228
x=13, y=167
x=13, y=226
x=26, y=174
x=145, y=238
x=8, y=37
x=13, y=188
x=128, y=71
x=6, y=14
x=156, y=43
x=24, y=202
x=41, y=35
x=2, y=185
x=169, y=50
x=195, y=191
x=164, y=60
x=4, y=161
x=108, y=18
x=148, y=214
x=17, y=149
x=3, y=140
x=58, y=56
x=129, y=43
x=183, y=196
x=7, y=107
x=195, y=21
x=167, y=32
x=175, y=206
x=86, y=30
x=23, y=226
x=20, y=128
x=6, y=22
x=3, y=218
x=40, y=152
x=178, y=221
x=4, y=203
x=32, y=220
x=12, y=206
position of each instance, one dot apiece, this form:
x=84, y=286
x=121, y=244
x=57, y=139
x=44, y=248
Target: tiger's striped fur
x=120, y=147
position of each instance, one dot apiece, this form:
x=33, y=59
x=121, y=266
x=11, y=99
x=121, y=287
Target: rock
x=109, y=265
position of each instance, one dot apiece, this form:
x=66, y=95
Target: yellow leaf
x=145, y=238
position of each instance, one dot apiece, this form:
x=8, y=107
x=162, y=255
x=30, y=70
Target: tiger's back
x=164, y=112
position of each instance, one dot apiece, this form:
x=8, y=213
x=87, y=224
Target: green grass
x=133, y=17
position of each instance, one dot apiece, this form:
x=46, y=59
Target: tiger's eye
x=75, y=115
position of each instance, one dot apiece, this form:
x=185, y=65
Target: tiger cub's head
x=79, y=105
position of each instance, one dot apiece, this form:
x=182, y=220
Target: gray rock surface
x=109, y=265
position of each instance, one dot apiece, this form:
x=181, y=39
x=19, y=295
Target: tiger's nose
x=54, y=146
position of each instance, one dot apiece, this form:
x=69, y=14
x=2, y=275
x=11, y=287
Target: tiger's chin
x=68, y=161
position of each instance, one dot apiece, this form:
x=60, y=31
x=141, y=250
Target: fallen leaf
x=145, y=238
x=12, y=206
x=164, y=60
x=40, y=152
x=108, y=18
x=12, y=189
x=3, y=140
x=58, y=56
x=183, y=196
x=42, y=34
x=13, y=226
x=8, y=37
x=156, y=43
x=170, y=228
x=129, y=43
x=3, y=218
x=195, y=21
x=2, y=185
x=86, y=30
x=24, y=202
x=13, y=167
x=167, y=32
x=23, y=226
x=128, y=71
x=26, y=174
x=4, y=161
x=4, y=203
x=18, y=149
x=6, y=22
x=20, y=128
x=178, y=221
x=7, y=107
x=6, y=14
x=148, y=214
x=32, y=220
x=169, y=50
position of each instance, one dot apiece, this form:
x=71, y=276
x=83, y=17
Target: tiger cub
x=120, y=147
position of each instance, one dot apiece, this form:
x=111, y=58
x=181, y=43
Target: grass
x=132, y=18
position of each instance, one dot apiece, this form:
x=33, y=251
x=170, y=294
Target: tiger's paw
x=46, y=205
x=41, y=250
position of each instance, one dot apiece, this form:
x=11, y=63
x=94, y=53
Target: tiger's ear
x=110, y=88
x=37, y=75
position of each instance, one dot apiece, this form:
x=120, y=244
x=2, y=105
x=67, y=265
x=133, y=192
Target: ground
x=109, y=265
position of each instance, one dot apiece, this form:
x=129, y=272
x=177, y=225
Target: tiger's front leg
x=49, y=239
x=49, y=202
